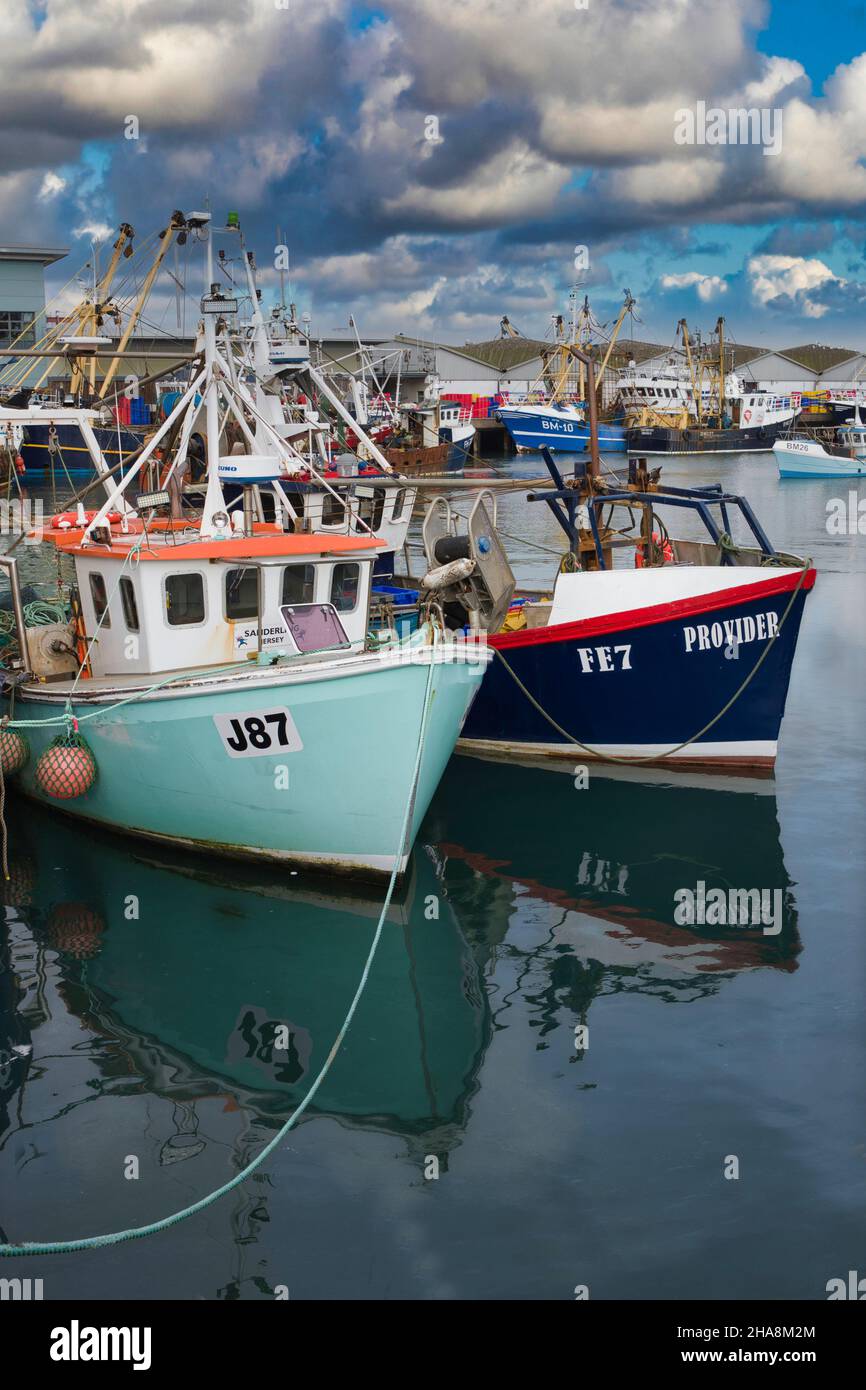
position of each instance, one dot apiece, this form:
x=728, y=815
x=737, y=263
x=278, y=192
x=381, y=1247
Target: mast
x=90, y=312
x=176, y=224
x=720, y=329
x=214, y=502
x=683, y=328
x=628, y=305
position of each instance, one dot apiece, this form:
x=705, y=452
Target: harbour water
x=141, y=992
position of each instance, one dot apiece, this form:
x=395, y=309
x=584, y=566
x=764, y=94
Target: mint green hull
x=337, y=801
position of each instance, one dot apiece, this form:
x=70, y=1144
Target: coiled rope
x=64, y=1247
x=656, y=757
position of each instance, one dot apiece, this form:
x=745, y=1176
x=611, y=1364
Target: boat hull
x=461, y=439
x=549, y=429
x=801, y=459
x=72, y=454
x=332, y=794
x=640, y=683
x=655, y=439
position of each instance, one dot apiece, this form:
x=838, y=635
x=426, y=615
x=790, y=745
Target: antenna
x=280, y=242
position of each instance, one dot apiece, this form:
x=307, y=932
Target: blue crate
x=399, y=597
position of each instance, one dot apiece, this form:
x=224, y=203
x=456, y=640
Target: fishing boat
x=694, y=405
x=801, y=456
x=559, y=425
x=554, y=413
x=429, y=437
x=217, y=685
x=650, y=646
x=46, y=446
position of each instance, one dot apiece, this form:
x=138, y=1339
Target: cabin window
x=242, y=593
x=130, y=607
x=369, y=511
x=184, y=599
x=100, y=599
x=345, y=582
x=298, y=584
x=333, y=510
x=399, y=504
x=296, y=500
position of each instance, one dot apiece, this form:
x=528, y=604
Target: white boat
x=670, y=392
x=803, y=457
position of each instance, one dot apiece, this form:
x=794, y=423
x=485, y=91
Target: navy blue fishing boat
x=61, y=449
x=651, y=648
x=681, y=653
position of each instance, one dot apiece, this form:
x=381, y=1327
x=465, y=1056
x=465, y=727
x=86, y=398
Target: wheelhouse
x=161, y=606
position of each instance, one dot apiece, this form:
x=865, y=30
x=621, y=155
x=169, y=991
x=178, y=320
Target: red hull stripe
x=657, y=613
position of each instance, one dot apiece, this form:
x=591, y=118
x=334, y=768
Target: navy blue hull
x=647, y=687
x=72, y=454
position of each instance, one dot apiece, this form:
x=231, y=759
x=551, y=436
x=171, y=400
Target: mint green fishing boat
x=300, y=749
x=220, y=685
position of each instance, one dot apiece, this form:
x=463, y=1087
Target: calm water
x=153, y=1038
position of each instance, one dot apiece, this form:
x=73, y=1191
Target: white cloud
x=514, y=183
x=795, y=277
x=668, y=182
x=52, y=184
x=708, y=286
x=94, y=231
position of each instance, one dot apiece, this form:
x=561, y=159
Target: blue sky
x=554, y=128
x=818, y=36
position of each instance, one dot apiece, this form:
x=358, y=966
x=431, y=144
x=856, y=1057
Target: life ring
x=747, y=415
x=64, y=521
x=20, y=466
x=666, y=551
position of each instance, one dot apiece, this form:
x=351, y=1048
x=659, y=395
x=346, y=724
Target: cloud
x=780, y=281
x=52, y=184
x=707, y=286
x=557, y=129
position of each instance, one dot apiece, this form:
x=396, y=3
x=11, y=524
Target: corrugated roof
x=815, y=357
x=505, y=353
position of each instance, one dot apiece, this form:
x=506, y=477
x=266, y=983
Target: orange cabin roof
x=267, y=541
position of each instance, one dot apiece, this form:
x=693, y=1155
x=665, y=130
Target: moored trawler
x=216, y=683
x=653, y=648
x=695, y=405
x=189, y=740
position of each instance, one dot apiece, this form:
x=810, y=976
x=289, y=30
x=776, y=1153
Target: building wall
x=777, y=373
x=845, y=374
x=22, y=291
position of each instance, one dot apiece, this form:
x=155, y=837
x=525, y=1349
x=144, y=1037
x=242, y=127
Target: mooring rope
x=64, y=1247
x=656, y=757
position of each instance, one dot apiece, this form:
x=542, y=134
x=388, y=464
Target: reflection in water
x=607, y=860
x=177, y=982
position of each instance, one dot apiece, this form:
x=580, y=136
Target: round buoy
x=14, y=751
x=17, y=890
x=75, y=929
x=67, y=768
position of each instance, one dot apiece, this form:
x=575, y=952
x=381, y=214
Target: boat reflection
x=194, y=980
x=202, y=979
x=170, y=978
x=606, y=859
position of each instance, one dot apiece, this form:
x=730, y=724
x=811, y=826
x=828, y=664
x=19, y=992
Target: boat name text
x=732, y=632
